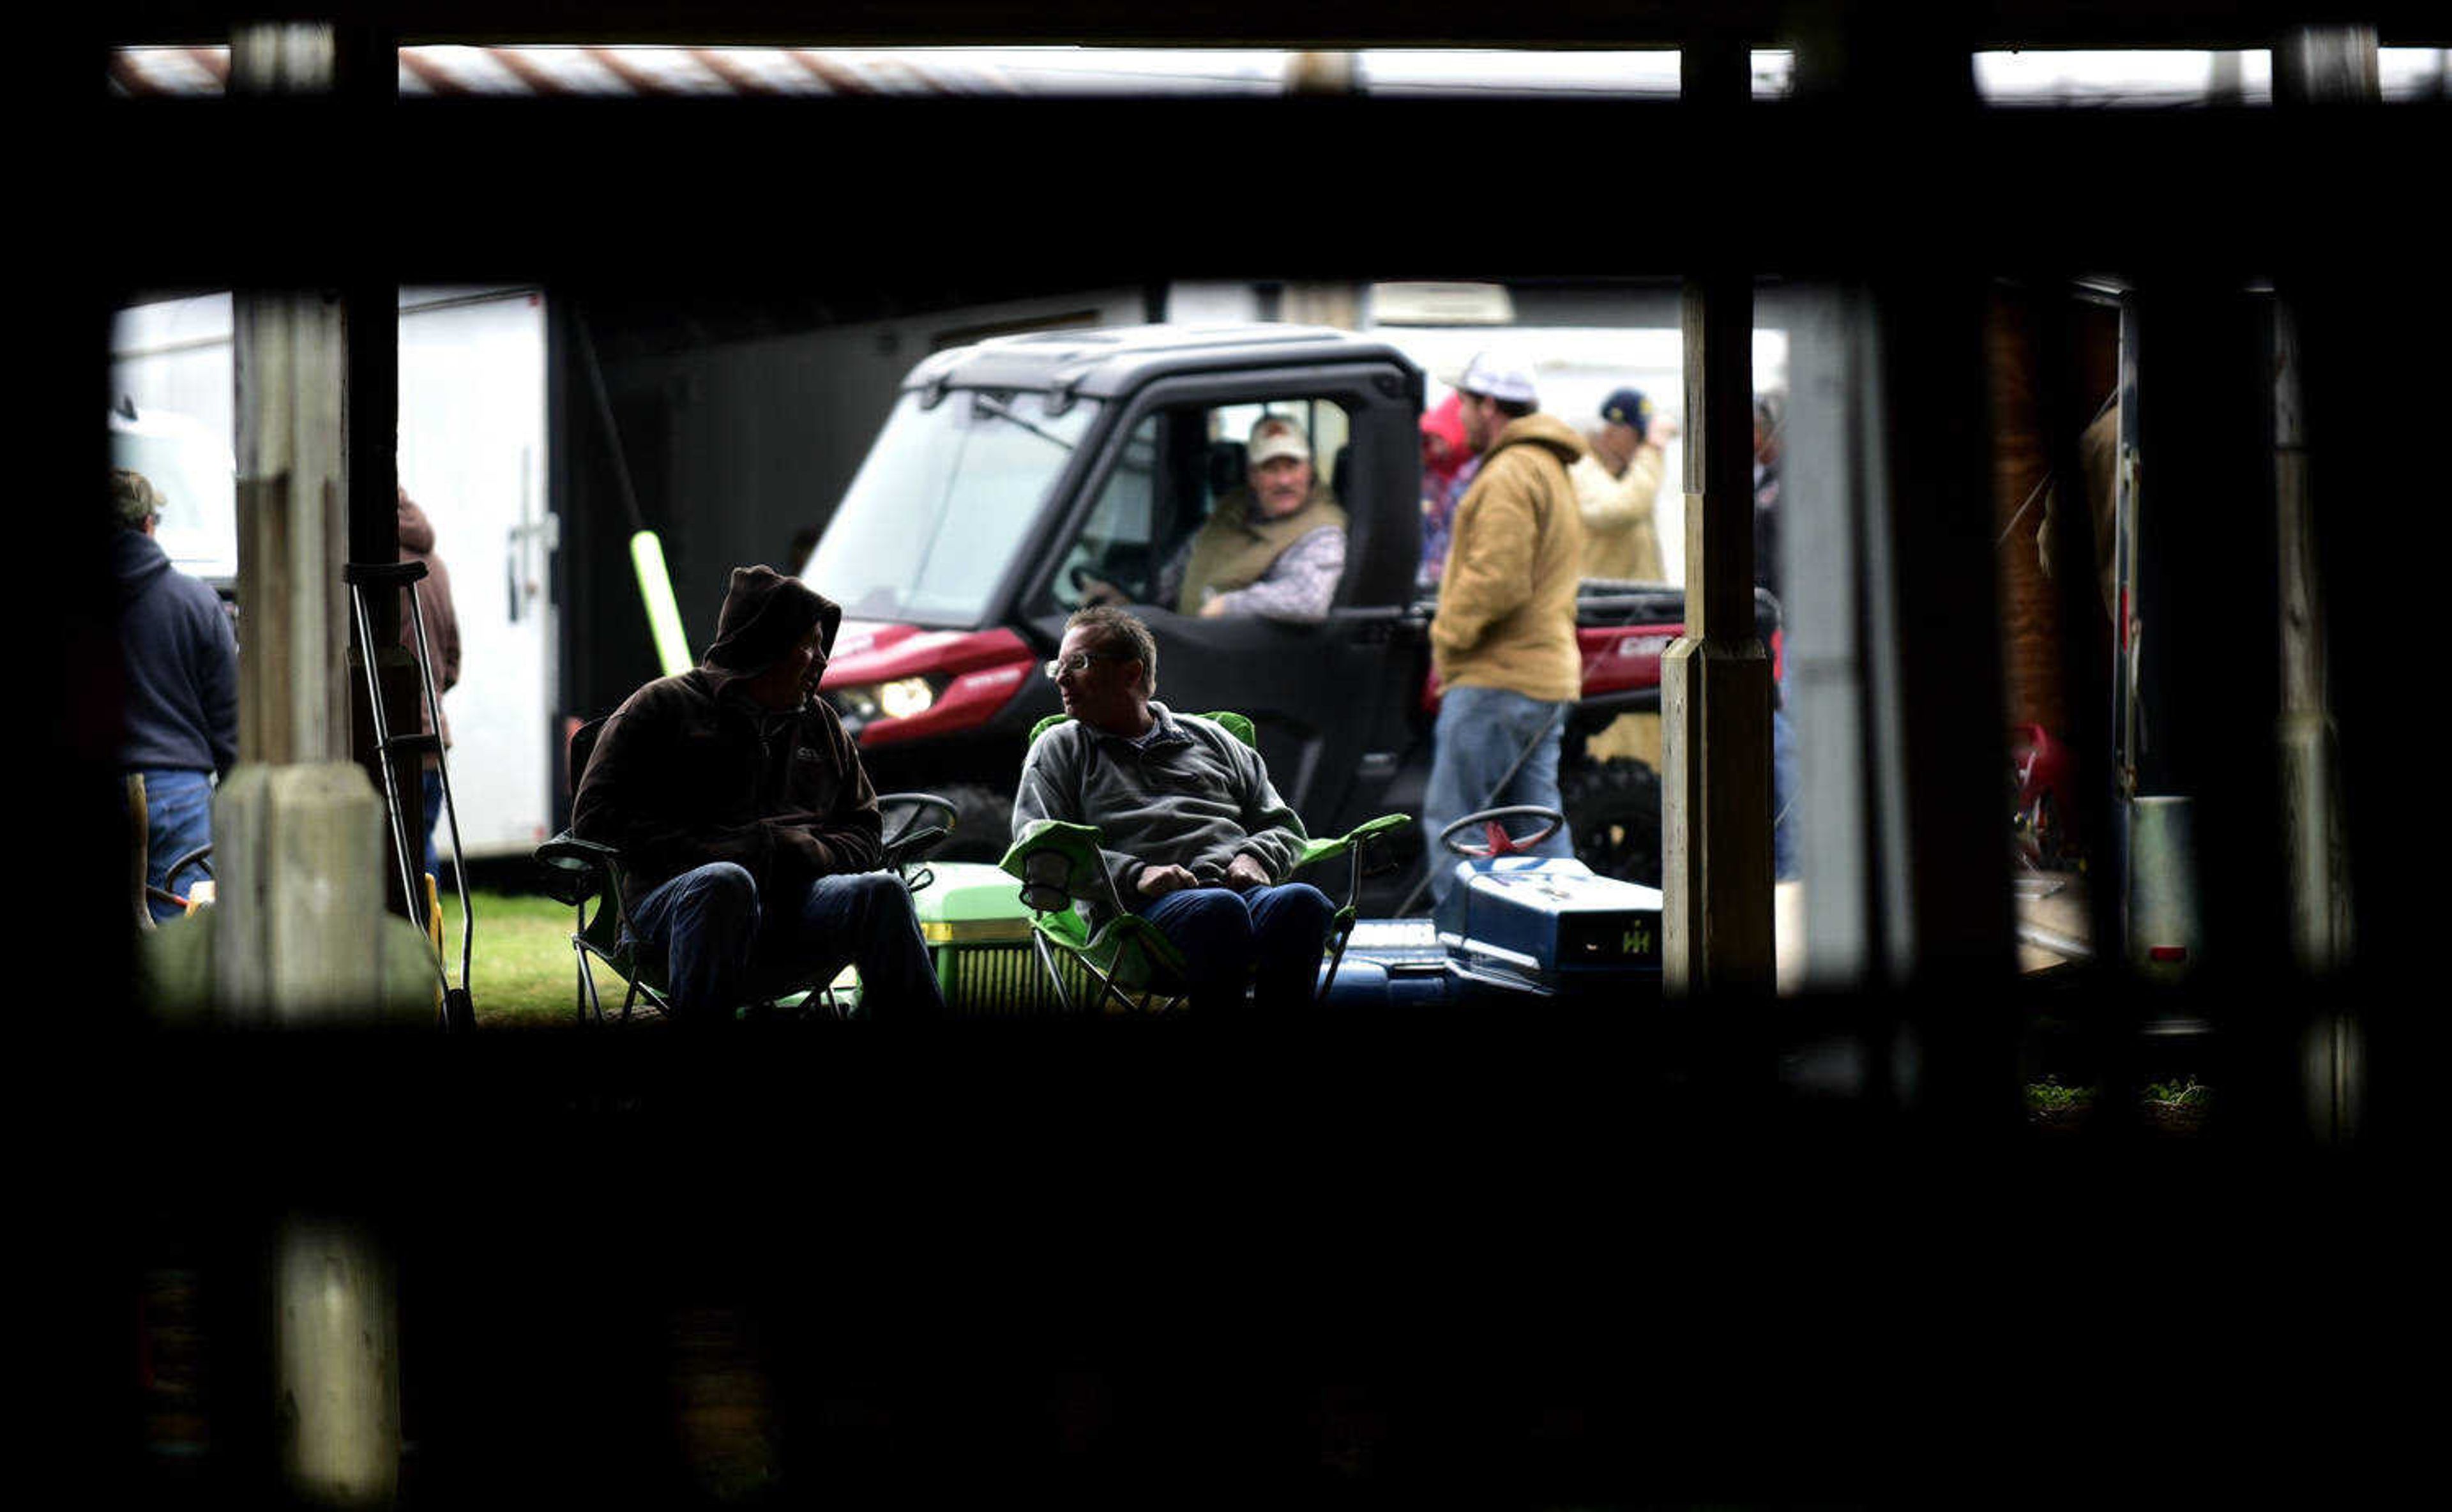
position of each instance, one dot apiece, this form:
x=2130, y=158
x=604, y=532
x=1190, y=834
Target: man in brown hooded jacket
x=747, y=829
x=416, y=534
x=1503, y=641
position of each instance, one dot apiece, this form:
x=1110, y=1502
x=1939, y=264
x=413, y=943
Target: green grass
x=2172, y=1108
x=522, y=970
x=2048, y=1102
x=2186, y=1094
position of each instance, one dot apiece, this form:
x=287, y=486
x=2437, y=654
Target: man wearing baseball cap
x=1617, y=485
x=1503, y=641
x=1274, y=546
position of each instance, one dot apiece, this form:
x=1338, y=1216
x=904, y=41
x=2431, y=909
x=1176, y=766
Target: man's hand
x=1158, y=881
x=1213, y=609
x=1243, y=872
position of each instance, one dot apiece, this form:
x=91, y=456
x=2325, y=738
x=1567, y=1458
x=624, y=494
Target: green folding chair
x=1135, y=965
x=581, y=873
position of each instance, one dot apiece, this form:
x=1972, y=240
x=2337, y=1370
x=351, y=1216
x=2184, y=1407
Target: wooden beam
x=1716, y=678
x=2192, y=180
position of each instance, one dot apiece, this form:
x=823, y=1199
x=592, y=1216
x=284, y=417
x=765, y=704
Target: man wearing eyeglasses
x=1194, y=837
x=747, y=829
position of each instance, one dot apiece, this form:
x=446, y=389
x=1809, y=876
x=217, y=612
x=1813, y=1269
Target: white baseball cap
x=1494, y=375
x=1276, y=436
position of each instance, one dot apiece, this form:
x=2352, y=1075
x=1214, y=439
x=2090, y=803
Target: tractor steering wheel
x=1498, y=841
x=911, y=833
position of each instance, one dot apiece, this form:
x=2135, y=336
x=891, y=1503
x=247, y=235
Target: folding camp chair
x=1133, y=964
x=581, y=873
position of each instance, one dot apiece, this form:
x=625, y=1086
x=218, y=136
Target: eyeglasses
x=1080, y=662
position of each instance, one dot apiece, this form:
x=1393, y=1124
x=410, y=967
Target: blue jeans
x=1273, y=934
x=726, y=946
x=1782, y=793
x=1480, y=733
x=178, y=818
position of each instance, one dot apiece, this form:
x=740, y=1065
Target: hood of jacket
x=1446, y=421
x=136, y=560
x=416, y=531
x=1543, y=430
x=765, y=615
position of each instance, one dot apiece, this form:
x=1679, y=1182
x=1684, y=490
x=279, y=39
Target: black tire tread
x=1614, y=812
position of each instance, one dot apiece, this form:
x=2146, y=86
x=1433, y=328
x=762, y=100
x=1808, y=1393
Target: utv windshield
x=944, y=501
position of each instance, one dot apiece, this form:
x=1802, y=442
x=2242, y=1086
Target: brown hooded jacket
x=1507, y=600
x=434, y=606
x=691, y=770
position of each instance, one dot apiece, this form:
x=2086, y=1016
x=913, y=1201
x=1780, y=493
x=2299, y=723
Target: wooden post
x=299, y=928
x=2316, y=869
x=1318, y=304
x=287, y=358
x=1321, y=75
x=336, y=1336
x=1328, y=73
x=2312, y=65
x=1715, y=685
x=297, y=827
x=366, y=70
x=2318, y=65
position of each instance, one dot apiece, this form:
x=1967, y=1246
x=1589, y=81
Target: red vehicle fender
x=975, y=672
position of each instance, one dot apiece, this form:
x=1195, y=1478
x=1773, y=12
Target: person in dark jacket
x=180, y=730
x=442, y=645
x=747, y=829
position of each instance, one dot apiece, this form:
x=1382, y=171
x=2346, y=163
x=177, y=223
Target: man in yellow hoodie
x=1503, y=641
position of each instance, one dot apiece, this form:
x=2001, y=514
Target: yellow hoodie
x=1507, y=600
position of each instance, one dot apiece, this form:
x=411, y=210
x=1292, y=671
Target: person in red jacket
x=1448, y=461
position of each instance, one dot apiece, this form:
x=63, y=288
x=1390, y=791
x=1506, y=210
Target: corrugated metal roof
x=2036, y=77
x=444, y=69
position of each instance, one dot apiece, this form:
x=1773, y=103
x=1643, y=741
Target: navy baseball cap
x=1627, y=407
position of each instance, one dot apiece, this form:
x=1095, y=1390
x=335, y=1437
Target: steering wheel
x=1498, y=841
x=911, y=832
x=1088, y=583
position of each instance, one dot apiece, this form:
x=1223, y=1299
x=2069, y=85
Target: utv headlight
x=857, y=705
x=902, y=699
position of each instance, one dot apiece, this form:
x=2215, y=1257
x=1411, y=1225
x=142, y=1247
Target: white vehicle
x=191, y=463
x=473, y=454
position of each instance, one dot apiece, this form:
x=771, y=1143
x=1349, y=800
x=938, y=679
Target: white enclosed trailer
x=473, y=454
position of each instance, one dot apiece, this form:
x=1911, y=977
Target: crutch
x=459, y=1011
